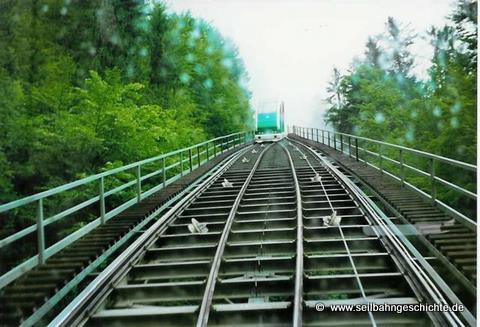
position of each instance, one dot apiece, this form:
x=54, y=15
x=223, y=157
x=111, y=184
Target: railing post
x=164, y=173
x=350, y=146
x=323, y=136
x=214, y=149
x=334, y=141
x=317, y=135
x=433, y=189
x=329, y=139
x=198, y=156
x=365, y=154
x=181, y=163
x=356, y=148
x=102, y=200
x=402, y=168
x=139, y=184
x=40, y=233
x=208, y=157
x=341, y=143
x=190, y=161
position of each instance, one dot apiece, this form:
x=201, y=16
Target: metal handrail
x=349, y=144
x=192, y=159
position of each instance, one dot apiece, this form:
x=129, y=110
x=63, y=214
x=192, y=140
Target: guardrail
x=166, y=167
x=378, y=155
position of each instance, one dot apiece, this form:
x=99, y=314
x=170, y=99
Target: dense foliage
x=84, y=84
x=380, y=97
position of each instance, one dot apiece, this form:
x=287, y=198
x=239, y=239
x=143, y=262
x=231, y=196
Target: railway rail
x=289, y=230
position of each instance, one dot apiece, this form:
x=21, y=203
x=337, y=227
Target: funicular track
x=268, y=257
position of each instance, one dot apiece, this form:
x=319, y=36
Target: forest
x=90, y=85
x=381, y=98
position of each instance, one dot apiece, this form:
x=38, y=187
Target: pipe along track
x=266, y=258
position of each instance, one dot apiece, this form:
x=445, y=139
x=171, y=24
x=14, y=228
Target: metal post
x=139, y=184
x=402, y=169
x=208, y=157
x=356, y=148
x=214, y=149
x=350, y=146
x=198, y=156
x=334, y=141
x=190, y=163
x=102, y=200
x=317, y=135
x=329, y=139
x=164, y=173
x=433, y=189
x=365, y=154
x=40, y=233
x=181, y=163
x=323, y=136
x=341, y=143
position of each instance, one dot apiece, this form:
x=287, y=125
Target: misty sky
x=290, y=47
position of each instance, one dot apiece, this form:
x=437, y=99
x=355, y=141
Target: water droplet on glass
x=143, y=52
x=208, y=83
x=184, y=78
x=454, y=122
x=190, y=57
x=379, y=117
x=409, y=135
x=455, y=108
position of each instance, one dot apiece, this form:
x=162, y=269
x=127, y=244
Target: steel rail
x=405, y=243
x=89, y=298
x=299, y=268
x=424, y=278
x=456, y=272
x=420, y=274
x=204, y=310
x=347, y=248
